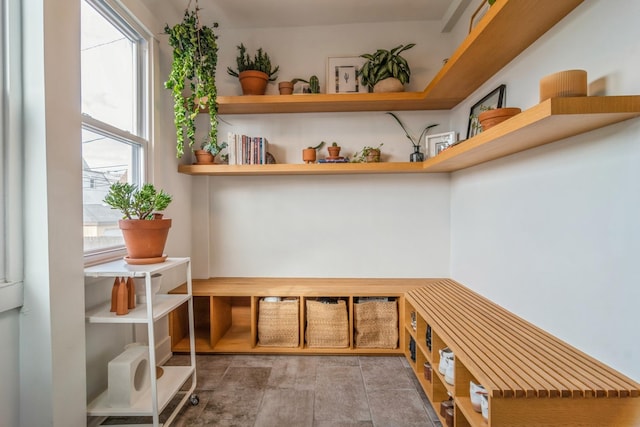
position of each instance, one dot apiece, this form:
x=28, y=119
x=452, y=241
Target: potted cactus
x=253, y=73
x=309, y=153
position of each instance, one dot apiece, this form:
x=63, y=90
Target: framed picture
x=439, y=141
x=493, y=100
x=342, y=74
x=478, y=14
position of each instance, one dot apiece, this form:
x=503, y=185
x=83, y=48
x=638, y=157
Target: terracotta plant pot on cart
x=253, y=82
x=493, y=117
x=145, y=239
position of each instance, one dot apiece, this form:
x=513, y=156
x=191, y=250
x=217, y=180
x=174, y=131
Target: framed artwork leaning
x=495, y=99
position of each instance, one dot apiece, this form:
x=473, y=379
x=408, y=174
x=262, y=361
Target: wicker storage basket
x=278, y=323
x=327, y=324
x=376, y=324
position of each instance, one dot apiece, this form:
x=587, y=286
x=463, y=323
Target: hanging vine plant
x=195, y=56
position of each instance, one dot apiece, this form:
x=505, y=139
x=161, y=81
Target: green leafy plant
x=317, y=147
x=137, y=203
x=415, y=141
x=313, y=82
x=213, y=148
x=361, y=156
x=195, y=56
x=385, y=63
x=259, y=62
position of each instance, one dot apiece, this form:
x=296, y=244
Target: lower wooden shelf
x=226, y=312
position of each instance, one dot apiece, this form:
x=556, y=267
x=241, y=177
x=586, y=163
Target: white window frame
x=131, y=27
x=11, y=247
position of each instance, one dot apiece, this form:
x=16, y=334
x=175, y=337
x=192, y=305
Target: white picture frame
x=438, y=142
x=342, y=74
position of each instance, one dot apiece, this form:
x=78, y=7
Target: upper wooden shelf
x=508, y=28
x=549, y=121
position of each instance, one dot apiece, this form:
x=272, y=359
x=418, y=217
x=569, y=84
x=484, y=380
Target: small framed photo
x=478, y=14
x=440, y=141
x=495, y=99
x=342, y=74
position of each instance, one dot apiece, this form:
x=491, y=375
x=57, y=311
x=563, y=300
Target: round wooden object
x=564, y=83
x=491, y=118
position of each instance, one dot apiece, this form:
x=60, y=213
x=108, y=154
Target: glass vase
x=416, y=156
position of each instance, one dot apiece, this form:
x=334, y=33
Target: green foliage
x=385, y=63
x=314, y=84
x=414, y=141
x=259, y=62
x=361, y=156
x=213, y=148
x=136, y=203
x=319, y=146
x=195, y=56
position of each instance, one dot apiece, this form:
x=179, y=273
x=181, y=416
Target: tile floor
x=301, y=391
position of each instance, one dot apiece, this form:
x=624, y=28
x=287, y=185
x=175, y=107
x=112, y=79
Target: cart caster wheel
x=194, y=399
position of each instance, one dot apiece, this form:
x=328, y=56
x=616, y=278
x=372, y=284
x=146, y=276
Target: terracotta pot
x=334, y=151
x=203, y=156
x=253, y=82
x=286, y=88
x=144, y=239
x=373, y=156
x=491, y=118
x=390, y=84
x=309, y=155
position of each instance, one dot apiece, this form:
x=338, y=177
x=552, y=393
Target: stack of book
x=247, y=150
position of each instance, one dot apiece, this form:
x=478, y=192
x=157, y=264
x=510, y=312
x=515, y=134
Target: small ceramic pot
x=203, y=156
x=490, y=118
x=334, y=151
x=286, y=88
x=309, y=155
x=253, y=82
x=373, y=156
x=390, y=84
x=141, y=288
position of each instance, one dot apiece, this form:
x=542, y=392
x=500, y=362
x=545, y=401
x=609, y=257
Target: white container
x=485, y=406
x=449, y=373
x=446, y=358
x=128, y=376
x=476, y=391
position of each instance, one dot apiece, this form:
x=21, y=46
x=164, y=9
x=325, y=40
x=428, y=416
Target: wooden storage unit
x=532, y=377
x=549, y=121
x=226, y=319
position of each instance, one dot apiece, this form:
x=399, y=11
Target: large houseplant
x=253, y=73
x=383, y=65
x=143, y=228
x=192, y=78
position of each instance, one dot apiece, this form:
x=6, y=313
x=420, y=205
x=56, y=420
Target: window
x=114, y=116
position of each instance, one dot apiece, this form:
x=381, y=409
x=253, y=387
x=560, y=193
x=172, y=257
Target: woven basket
x=327, y=325
x=376, y=324
x=278, y=324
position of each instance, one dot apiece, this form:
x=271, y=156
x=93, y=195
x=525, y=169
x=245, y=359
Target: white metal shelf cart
x=162, y=389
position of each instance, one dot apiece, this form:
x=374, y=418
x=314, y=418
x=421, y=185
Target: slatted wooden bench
x=532, y=377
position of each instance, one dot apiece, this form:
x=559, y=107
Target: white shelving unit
x=162, y=390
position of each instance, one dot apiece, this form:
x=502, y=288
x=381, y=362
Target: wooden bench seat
x=512, y=358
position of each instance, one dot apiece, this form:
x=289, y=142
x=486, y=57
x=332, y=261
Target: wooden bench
x=532, y=377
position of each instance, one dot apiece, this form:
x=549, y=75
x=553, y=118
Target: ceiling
x=291, y=13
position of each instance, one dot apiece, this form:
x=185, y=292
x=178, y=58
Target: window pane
x=105, y=161
x=108, y=72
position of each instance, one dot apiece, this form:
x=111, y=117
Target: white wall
x=552, y=234
x=317, y=226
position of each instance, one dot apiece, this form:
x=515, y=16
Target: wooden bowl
x=491, y=118
x=563, y=83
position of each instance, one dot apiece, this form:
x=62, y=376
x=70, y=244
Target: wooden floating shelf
x=516, y=23
x=549, y=121
x=303, y=169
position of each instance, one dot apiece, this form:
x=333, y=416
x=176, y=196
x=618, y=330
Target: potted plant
x=490, y=117
x=367, y=155
x=208, y=152
x=195, y=56
x=253, y=73
x=334, y=150
x=143, y=228
x=386, y=70
x=416, y=156
x=309, y=153
x=286, y=88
